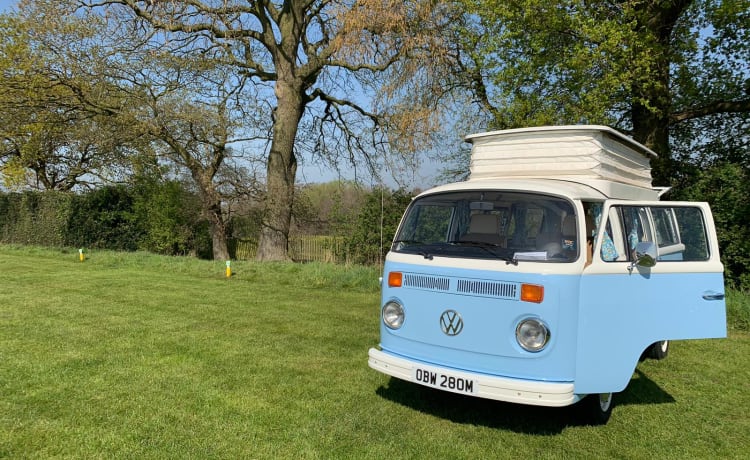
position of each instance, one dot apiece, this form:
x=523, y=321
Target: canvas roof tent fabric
x=581, y=153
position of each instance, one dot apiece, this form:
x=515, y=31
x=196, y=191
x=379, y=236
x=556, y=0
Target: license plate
x=443, y=381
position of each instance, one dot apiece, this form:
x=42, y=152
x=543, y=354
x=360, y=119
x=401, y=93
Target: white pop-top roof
x=594, y=190
x=580, y=153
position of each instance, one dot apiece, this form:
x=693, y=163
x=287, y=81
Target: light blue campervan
x=548, y=274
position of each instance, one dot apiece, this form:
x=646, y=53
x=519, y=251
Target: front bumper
x=551, y=394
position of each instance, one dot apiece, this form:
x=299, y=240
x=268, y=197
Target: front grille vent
x=433, y=283
x=488, y=288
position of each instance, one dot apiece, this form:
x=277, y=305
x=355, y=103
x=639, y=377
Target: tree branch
x=330, y=100
x=711, y=109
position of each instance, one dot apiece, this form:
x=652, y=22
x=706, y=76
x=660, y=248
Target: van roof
x=591, y=189
x=567, y=128
x=578, y=153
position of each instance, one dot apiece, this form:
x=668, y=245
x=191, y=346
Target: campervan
x=545, y=277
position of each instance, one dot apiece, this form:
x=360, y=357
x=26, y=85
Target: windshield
x=490, y=224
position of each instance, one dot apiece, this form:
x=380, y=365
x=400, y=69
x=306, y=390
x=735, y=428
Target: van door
x=625, y=307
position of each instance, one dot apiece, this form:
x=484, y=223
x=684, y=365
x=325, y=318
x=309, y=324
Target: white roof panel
x=578, y=153
x=578, y=189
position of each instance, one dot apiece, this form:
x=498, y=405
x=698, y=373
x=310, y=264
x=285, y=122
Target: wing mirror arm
x=645, y=255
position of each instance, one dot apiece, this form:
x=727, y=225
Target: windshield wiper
x=424, y=254
x=408, y=241
x=485, y=246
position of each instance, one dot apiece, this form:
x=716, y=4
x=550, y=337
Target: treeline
x=165, y=217
x=160, y=217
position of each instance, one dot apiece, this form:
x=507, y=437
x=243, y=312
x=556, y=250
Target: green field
x=142, y=356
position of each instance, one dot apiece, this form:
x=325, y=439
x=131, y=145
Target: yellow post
x=229, y=269
x=81, y=256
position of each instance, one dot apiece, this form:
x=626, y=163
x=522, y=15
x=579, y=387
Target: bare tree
x=306, y=52
x=196, y=113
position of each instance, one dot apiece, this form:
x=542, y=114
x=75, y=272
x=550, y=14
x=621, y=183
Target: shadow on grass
x=643, y=390
x=515, y=417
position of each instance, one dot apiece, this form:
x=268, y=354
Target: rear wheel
x=659, y=350
x=597, y=408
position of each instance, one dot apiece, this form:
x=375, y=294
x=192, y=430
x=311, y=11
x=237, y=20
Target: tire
x=597, y=408
x=658, y=350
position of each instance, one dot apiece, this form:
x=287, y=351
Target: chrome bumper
x=551, y=394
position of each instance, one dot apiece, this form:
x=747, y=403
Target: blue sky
x=5, y=4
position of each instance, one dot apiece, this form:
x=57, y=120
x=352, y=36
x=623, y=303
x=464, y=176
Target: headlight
x=393, y=314
x=532, y=334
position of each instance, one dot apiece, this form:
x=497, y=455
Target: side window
x=612, y=247
x=691, y=231
x=665, y=226
x=679, y=232
x=668, y=239
x=636, y=227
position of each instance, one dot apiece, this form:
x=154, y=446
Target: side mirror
x=645, y=255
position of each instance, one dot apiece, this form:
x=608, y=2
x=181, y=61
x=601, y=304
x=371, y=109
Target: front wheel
x=597, y=408
x=659, y=350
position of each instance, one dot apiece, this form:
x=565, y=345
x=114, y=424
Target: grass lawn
x=141, y=356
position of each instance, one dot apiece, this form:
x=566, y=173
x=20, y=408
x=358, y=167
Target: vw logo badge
x=451, y=323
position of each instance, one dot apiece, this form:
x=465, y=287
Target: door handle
x=711, y=295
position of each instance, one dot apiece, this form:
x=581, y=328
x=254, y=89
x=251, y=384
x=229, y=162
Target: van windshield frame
x=491, y=224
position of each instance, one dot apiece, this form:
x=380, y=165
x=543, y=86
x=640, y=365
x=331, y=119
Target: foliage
x=644, y=67
x=83, y=89
x=163, y=217
x=35, y=218
x=158, y=216
x=726, y=187
x=245, y=222
x=90, y=95
x=328, y=208
x=168, y=214
x=376, y=223
x=349, y=216
x=56, y=122
x=551, y=62
x=104, y=218
x=738, y=310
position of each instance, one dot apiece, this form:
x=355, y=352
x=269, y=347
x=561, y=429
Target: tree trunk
x=211, y=203
x=281, y=171
x=218, y=232
x=656, y=20
x=652, y=130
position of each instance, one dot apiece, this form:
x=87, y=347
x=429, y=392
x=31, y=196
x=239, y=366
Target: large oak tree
x=309, y=54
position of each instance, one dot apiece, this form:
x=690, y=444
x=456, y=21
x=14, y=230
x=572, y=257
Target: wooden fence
x=303, y=248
